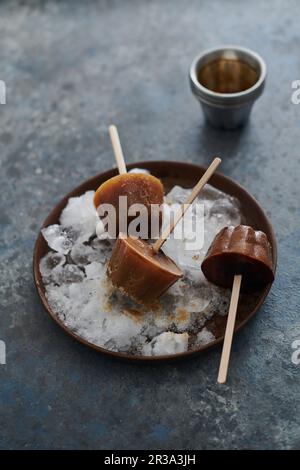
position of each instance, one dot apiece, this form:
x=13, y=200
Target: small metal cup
x=226, y=80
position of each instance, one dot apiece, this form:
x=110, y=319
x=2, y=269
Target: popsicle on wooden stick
x=138, y=188
x=141, y=270
x=240, y=257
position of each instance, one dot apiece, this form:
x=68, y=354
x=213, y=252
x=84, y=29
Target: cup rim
x=228, y=96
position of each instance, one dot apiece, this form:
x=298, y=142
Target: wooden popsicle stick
x=185, y=206
x=229, y=329
x=116, y=144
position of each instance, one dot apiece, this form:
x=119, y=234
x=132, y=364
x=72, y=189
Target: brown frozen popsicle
x=238, y=256
x=138, y=188
x=141, y=270
x=239, y=250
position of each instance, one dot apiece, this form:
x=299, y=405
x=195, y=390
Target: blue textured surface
x=71, y=68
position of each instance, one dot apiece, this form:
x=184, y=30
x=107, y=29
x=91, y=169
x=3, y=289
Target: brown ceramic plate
x=171, y=173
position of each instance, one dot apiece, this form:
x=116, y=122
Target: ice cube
x=186, y=242
x=102, y=249
x=161, y=322
x=211, y=193
x=60, y=239
x=48, y=263
x=226, y=212
x=81, y=214
x=167, y=343
x=188, y=260
x=204, y=337
x=84, y=254
x=197, y=304
x=177, y=195
x=67, y=274
x=93, y=270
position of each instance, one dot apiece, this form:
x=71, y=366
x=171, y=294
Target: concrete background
x=71, y=68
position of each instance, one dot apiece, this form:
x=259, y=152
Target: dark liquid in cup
x=227, y=76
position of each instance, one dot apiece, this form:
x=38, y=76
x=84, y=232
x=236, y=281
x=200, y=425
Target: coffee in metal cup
x=227, y=80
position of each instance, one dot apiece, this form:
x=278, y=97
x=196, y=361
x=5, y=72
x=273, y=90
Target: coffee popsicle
x=136, y=188
x=240, y=257
x=239, y=250
x=139, y=271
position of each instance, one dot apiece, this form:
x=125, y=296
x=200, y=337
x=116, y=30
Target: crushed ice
x=78, y=290
x=81, y=214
